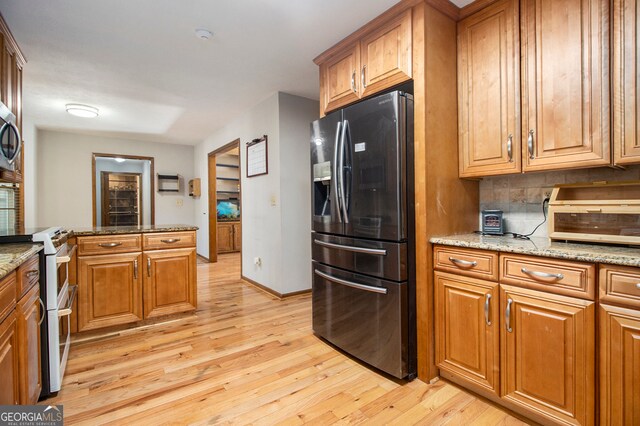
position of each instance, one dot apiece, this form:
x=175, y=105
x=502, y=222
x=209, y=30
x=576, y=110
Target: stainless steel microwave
x=10, y=141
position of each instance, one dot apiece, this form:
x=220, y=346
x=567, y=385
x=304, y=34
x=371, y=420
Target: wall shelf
x=168, y=183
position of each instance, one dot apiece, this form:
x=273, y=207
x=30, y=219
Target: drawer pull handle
x=508, y=315
x=149, y=267
x=537, y=274
x=33, y=273
x=464, y=263
x=638, y=286
x=135, y=269
x=487, y=300
x=109, y=245
x=42, y=312
x=171, y=240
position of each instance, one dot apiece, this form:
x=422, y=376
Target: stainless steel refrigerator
x=363, y=295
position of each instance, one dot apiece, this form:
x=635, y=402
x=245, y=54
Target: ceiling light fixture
x=80, y=110
x=203, y=34
x=119, y=160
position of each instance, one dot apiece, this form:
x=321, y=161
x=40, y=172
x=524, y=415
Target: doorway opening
x=225, y=206
x=123, y=190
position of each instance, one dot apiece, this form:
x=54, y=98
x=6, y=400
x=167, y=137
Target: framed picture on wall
x=257, y=157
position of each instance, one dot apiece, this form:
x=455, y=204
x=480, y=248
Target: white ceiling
x=140, y=63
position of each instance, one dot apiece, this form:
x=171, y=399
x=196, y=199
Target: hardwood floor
x=245, y=357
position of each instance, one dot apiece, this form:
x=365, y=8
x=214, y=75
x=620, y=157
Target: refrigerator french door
x=363, y=292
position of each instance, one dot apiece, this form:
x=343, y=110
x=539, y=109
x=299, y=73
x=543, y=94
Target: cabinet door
x=626, y=95
x=225, y=237
x=169, y=282
x=339, y=78
x=547, y=354
x=489, y=91
x=565, y=84
x=619, y=366
x=467, y=329
x=237, y=237
x=28, y=311
x=9, y=388
x=110, y=290
x=385, y=55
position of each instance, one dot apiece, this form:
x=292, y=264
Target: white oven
x=59, y=299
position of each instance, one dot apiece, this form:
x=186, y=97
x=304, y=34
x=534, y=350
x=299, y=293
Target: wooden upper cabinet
x=379, y=59
x=548, y=354
x=488, y=91
x=385, y=55
x=339, y=76
x=619, y=362
x=626, y=94
x=565, y=84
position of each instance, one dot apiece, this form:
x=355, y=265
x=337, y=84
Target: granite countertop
x=14, y=255
x=596, y=253
x=144, y=229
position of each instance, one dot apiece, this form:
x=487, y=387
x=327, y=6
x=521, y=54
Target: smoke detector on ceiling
x=203, y=34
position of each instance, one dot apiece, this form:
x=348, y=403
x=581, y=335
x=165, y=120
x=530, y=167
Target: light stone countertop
x=14, y=255
x=144, y=229
x=595, y=253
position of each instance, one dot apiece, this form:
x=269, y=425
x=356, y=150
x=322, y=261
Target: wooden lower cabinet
x=110, y=290
x=9, y=382
x=169, y=282
x=619, y=366
x=467, y=329
x=229, y=237
x=547, y=354
x=28, y=326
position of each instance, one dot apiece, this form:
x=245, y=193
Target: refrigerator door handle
x=334, y=184
x=364, y=287
x=377, y=252
x=341, y=190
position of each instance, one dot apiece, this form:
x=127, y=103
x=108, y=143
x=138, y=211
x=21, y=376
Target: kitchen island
x=129, y=274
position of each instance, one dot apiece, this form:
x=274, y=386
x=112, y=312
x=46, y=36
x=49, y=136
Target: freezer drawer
x=363, y=316
x=377, y=258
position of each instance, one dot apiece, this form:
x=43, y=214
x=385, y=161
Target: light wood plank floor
x=245, y=357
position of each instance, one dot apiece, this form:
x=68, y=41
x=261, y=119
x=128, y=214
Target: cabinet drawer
x=7, y=295
x=549, y=275
x=164, y=240
x=474, y=263
x=108, y=244
x=620, y=285
x=28, y=275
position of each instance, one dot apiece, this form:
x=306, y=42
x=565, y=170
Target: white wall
x=263, y=223
x=30, y=175
x=296, y=113
x=64, y=192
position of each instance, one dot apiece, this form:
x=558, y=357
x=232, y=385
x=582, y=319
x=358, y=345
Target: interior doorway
x=225, y=205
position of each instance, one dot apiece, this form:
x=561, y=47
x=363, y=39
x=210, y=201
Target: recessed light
x=203, y=34
x=119, y=160
x=80, y=110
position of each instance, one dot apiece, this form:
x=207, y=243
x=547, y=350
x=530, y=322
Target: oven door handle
x=69, y=255
x=67, y=311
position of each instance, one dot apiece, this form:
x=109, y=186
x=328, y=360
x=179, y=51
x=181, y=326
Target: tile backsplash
x=520, y=196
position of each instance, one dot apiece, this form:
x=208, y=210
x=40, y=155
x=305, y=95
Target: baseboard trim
x=273, y=292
